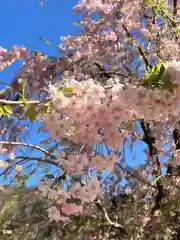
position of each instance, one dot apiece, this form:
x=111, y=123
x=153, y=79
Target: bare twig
x=9, y=168
x=114, y=224
x=24, y=159
x=115, y=73
x=28, y=145
x=147, y=64
x=38, y=159
x=33, y=102
x=157, y=179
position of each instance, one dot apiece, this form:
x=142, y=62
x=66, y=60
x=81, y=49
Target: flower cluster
x=8, y=58
x=86, y=194
x=75, y=163
x=86, y=110
x=92, y=114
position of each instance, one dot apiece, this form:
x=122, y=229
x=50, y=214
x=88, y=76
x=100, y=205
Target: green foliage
x=24, y=217
x=24, y=211
x=153, y=79
x=27, y=217
x=31, y=113
x=67, y=90
x=6, y=110
x=45, y=108
x=158, y=78
x=22, y=94
x=47, y=42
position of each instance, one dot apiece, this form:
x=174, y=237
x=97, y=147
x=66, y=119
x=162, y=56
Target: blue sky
x=23, y=22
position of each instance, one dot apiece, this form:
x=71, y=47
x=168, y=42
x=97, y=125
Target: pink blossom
x=111, y=36
x=71, y=208
x=54, y=214
x=2, y=51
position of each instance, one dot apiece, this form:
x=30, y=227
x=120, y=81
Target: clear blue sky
x=23, y=22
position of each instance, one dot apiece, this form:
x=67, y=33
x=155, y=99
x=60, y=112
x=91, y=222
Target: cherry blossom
x=54, y=214
x=71, y=208
x=92, y=93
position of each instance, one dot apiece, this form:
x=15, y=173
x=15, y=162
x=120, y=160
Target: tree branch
x=10, y=102
x=28, y=145
x=147, y=64
x=174, y=12
x=114, y=224
x=41, y=160
x=150, y=140
x=115, y=73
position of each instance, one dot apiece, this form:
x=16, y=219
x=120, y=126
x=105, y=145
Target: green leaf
x=67, y=90
x=8, y=109
x=47, y=42
x=21, y=94
x=23, y=87
x=2, y=110
x=155, y=78
x=31, y=113
x=45, y=109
